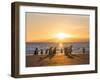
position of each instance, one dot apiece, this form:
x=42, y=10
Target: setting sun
x=56, y=28
x=62, y=35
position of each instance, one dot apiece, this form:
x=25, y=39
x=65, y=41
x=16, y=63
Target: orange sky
x=44, y=27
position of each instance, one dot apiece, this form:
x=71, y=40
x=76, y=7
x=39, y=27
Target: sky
x=41, y=27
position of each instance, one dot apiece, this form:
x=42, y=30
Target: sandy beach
x=57, y=60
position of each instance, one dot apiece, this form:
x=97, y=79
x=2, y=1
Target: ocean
x=77, y=47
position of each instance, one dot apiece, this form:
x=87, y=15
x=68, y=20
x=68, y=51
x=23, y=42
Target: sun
x=62, y=35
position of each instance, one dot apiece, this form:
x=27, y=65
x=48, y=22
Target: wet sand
x=57, y=60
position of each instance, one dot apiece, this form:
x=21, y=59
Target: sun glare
x=62, y=35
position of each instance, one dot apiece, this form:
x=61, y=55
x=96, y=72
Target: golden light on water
x=61, y=37
x=60, y=45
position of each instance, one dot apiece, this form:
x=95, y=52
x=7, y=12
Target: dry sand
x=57, y=60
